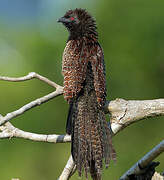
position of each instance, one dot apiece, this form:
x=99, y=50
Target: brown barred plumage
x=85, y=90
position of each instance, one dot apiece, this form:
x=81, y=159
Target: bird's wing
x=98, y=68
x=74, y=68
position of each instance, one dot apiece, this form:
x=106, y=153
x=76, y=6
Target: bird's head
x=79, y=23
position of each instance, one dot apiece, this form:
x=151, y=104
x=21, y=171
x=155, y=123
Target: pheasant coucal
x=85, y=91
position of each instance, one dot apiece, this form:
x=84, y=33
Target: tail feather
x=69, y=119
x=88, y=143
x=94, y=174
x=81, y=159
x=91, y=137
x=96, y=141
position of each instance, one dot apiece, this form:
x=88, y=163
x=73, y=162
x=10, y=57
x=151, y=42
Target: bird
x=84, y=83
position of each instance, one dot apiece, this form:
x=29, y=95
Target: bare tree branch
x=9, y=131
x=69, y=169
x=145, y=161
x=30, y=105
x=37, y=102
x=123, y=113
x=157, y=176
x=30, y=76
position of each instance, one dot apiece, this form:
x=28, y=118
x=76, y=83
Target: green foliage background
x=132, y=36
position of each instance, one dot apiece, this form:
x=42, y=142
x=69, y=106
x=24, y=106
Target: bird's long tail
x=91, y=138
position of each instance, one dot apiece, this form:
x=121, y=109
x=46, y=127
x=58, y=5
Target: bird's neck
x=83, y=33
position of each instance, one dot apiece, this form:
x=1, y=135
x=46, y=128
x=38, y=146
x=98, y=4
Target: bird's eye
x=72, y=18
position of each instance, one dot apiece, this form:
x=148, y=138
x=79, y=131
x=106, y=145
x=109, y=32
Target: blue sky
x=30, y=11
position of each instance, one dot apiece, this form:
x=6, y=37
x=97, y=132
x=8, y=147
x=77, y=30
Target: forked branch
x=123, y=113
x=30, y=76
x=37, y=102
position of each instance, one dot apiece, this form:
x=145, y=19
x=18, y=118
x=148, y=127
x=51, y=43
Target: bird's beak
x=63, y=20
